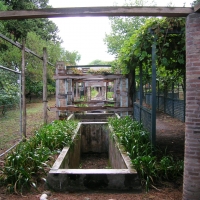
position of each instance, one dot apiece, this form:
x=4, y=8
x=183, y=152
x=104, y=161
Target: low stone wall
x=64, y=176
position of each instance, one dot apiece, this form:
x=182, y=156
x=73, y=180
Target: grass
x=10, y=124
x=28, y=163
x=9, y=129
x=110, y=95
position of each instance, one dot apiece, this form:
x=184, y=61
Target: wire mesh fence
x=169, y=100
x=10, y=109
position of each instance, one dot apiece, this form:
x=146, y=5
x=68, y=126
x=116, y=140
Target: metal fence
x=144, y=115
x=10, y=109
x=172, y=103
x=174, y=107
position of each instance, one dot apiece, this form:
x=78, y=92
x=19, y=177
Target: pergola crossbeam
x=97, y=12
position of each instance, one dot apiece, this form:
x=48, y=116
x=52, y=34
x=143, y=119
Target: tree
x=9, y=89
x=195, y=2
x=70, y=58
x=100, y=62
x=38, y=33
x=123, y=27
x=18, y=29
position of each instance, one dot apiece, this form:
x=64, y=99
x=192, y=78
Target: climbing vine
x=169, y=34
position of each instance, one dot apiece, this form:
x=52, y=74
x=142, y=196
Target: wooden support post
x=23, y=91
x=76, y=90
x=45, y=85
x=153, y=85
x=141, y=93
x=106, y=90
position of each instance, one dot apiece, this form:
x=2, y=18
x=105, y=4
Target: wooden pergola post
x=45, y=85
x=23, y=91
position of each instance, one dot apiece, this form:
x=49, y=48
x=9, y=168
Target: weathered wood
x=197, y=8
x=90, y=80
x=95, y=83
x=96, y=12
x=87, y=76
x=92, y=102
x=45, y=85
x=23, y=90
x=95, y=108
x=87, y=66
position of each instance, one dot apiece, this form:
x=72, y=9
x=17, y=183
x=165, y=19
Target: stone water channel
x=92, y=139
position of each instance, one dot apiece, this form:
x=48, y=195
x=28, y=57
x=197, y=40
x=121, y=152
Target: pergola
x=191, y=184
x=65, y=80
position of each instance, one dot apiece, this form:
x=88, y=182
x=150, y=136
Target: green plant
x=146, y=166
x=29, y=161
x=94, y=93
x=152, y=166
x=169, y=168
x=110, y=95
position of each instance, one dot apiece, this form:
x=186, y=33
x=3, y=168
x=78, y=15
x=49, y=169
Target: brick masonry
x=191, y=183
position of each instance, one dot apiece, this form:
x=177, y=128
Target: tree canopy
x=123, y=27
x=38, y=33
x=169, y=34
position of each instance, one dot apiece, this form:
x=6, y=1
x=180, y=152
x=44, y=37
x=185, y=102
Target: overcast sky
x=86, y=34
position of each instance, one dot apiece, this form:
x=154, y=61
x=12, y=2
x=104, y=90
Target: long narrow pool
x=92, y=138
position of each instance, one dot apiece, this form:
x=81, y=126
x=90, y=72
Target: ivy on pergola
x=156, y=51
x=170, y=47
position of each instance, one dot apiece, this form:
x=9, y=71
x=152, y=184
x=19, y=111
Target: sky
x=86, y=34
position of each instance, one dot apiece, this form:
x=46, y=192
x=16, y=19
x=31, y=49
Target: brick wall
x=191, y=185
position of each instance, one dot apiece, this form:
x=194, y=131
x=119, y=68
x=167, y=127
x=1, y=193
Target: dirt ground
x=170, y=134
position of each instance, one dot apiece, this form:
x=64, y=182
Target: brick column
x=191, y=182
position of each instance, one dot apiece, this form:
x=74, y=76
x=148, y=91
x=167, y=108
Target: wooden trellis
x=66, y=104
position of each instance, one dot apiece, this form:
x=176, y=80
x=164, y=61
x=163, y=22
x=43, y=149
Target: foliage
x=19, y=29
x=38, y=33
x=100, y=71
x=169, y=34
x=100, y=62
x=29, y=161
x=11, y=58
x=110, y=95
x=71, y=58
x=123, y=27
x=77, y=71
x=9, y=88
x=195, y=2
x=94, y=93
x=152, y=166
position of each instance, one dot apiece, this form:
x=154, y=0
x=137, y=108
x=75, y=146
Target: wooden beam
x=87, y=66
x=95, y=83
x=45, y=119
x=96, y=12
x=24, y=120
x=96, y=108
x=93, y=102
x=94, y=77
x=197, y=8
x=90, y=80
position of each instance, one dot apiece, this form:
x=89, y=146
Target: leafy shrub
x=29, y=161
x=94, y=93
x=110, y=95
x=150, y=165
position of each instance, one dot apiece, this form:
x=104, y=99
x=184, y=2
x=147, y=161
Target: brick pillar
x=191, y=182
